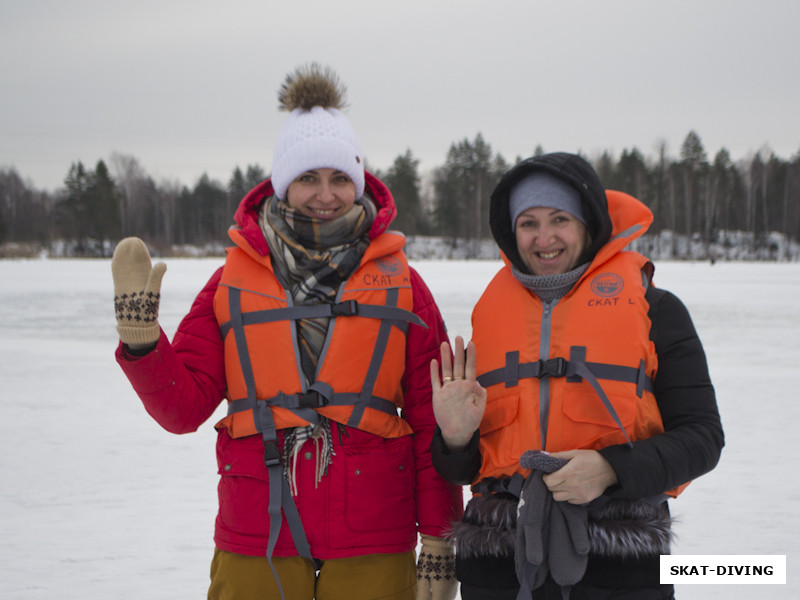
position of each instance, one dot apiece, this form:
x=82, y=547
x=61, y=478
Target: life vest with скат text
x=574, y=374
x=358, y=379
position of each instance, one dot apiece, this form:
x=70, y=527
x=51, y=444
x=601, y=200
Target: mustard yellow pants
x=369, y=577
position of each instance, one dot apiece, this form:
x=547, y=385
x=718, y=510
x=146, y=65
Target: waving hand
x=458, y=399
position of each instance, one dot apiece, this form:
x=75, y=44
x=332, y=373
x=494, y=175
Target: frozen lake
x=98, y=501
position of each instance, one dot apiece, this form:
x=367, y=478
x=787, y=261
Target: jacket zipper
x=544, y=382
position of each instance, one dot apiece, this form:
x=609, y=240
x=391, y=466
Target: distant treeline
x=692, y=197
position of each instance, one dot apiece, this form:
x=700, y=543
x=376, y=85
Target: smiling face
x=550, y=241
x=324, y=194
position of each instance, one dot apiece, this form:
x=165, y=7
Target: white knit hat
x=316, y=134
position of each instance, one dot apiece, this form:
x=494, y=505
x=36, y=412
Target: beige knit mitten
x=137, y=291
x=436, y=570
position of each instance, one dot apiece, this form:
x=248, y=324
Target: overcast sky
x=190, y=86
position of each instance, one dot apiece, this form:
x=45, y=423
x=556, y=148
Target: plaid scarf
x=312, y=258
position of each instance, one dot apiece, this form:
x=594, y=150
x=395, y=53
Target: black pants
x=493, y=578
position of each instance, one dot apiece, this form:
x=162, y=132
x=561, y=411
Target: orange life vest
x=358, y=380
x=573, y=374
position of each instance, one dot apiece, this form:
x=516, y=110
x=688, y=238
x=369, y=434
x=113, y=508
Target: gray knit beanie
x=540, y=188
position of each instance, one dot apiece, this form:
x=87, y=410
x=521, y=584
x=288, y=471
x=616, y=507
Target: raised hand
x=458, y=399
x=137, y=293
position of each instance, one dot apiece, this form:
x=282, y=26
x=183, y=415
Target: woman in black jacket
x=585, y=391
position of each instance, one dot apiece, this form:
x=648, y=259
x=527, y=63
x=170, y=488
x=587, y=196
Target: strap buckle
x=554, y=367
x=311, y=399
x=272, y=458
x=348, y=308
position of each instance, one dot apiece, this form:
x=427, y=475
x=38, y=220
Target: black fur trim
x=488, y=527
x=620, y=529
x=630, y=529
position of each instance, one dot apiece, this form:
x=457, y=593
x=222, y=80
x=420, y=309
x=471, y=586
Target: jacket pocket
x=503, y=439
x=499, y=412
x=584, y=408
x=243, y=487
x=379, y=490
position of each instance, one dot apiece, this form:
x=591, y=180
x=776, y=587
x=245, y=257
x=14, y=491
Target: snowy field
x=96, y=501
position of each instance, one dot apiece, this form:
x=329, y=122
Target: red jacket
x=368, y=502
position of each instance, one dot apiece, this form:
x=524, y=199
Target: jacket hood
x=574, y=170
x=246, y=216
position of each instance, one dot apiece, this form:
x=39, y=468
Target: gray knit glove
x=551, y=536
x=436, y=570
x=137, y=291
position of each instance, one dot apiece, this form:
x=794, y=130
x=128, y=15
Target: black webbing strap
x=504, y=485
x=303, y=404
x=235, y=302
x=581, y=369
x=635, y=375
x=513, y=371
x=280, y=496
x=575, y=369
x=349, y=308
x=378, y=354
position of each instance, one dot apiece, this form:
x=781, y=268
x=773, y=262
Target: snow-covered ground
x=97, y=501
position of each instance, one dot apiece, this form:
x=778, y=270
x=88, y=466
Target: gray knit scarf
x=312, y=258
x=550, y=287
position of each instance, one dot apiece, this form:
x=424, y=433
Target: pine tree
x=74, y=209
x=103, y=205
x=631, y=175
x=253, y=176
x=237, y=188
x=403, y=181
x=463, y=186
x=208, y=199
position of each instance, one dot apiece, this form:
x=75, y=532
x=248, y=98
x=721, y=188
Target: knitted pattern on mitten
x=436, y=570
x=137, y=293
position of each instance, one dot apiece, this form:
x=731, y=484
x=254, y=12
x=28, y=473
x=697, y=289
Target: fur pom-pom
x=312, y=85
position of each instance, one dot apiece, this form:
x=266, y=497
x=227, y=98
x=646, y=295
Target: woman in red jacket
x=319, y=335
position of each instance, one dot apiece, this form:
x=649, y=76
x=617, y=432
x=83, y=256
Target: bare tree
x=133, y=184
x=167, y=196
x=693, y=169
